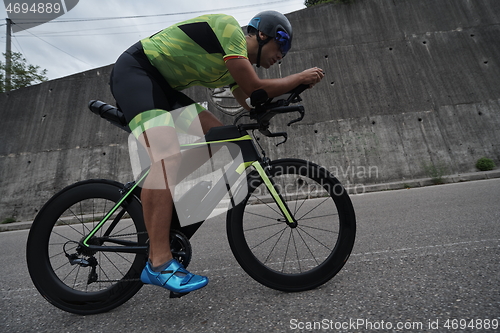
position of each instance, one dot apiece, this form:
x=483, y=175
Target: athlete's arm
x=241, y=97
x=244, y=74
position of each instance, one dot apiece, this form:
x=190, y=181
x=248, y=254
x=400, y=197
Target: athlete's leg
x=156, y=195
x=139, y=89
x=163, y=147
x=141, y=92
x=207, y=121
x=194, y=158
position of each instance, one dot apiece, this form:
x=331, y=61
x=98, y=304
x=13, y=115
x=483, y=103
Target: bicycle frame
x=233, y=136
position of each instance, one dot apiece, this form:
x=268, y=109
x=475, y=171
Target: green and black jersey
x=194, y=52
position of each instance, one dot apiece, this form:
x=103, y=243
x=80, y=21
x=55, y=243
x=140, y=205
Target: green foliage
x=436, y=173
x=22, y=73
x=485, y=164
x=8, y=220
x=309, y=3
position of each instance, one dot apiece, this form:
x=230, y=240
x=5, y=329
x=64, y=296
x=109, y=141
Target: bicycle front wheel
x=285, y=258
x=73, y=277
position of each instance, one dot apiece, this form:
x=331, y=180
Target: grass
x=435, y=172
x=8, y=220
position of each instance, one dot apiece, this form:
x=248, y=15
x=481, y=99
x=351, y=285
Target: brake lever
x=273, y=135
x=302, y=113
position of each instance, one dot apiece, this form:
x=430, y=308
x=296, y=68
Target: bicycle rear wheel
x=285, y=258
x=72, y=277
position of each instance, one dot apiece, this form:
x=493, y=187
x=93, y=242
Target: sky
x=95, y=32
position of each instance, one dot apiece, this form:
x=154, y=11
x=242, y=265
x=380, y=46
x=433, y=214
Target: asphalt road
x=423, y=258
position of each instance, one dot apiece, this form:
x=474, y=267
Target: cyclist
x=147, y=80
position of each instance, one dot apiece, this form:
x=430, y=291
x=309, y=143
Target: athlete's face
x=271, y=53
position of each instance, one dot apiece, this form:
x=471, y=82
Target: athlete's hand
x=312, y=76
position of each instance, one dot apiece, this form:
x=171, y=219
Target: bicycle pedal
x=173, y=294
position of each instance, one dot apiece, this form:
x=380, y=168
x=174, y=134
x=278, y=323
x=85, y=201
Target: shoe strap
x=178, y=268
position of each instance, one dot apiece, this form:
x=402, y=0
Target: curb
x=15, y=226
x=414, y=183
x=408, y=184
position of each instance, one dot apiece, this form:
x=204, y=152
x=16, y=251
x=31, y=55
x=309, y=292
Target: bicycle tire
x=64, y=221
x=285, y=258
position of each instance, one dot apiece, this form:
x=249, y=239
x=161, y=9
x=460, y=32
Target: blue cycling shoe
x=174, y=278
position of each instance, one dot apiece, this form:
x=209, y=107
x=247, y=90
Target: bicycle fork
x=273, y=190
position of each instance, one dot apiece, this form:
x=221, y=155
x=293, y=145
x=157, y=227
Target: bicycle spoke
x=286, y=252
x=102, y=271
x=69, y=273
x=262, y=216
x=121, y=230
x=314, y=238
x=76, y=276
x=62, y=236
x=265, y=203
x=72, y=225
x=265, y=240
x=316, y=217
x=327, y=199
x=56, y=255
x=284, y=229
x=296, y=253
x=112, y=261
x=308, y=248
x=298, y=208
x=316, y=228
x=265, y=226
x=82, y=219
x=62, y=265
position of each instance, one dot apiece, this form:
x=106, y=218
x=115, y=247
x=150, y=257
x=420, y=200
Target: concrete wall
x=410, y=85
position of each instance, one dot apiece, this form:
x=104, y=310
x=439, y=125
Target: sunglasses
x=283, y=41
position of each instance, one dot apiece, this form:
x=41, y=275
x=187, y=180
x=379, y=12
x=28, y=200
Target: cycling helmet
x=274, y=25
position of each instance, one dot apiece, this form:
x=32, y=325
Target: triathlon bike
x=290, y=223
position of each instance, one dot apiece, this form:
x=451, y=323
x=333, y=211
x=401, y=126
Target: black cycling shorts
x=138, y=87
